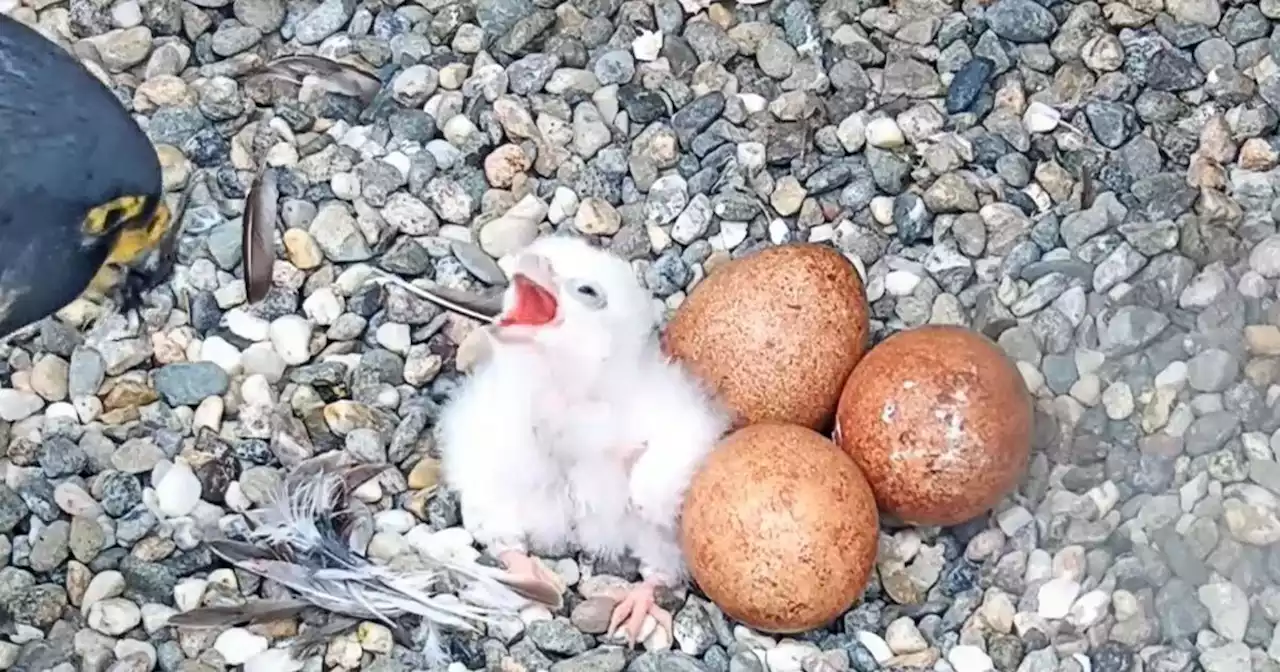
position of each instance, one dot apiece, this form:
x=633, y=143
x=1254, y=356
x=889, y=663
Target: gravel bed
x=1094, y=186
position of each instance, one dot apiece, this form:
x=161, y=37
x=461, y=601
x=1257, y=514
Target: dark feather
x=258, y=243
x=236, y=552
x=261, y=611
x=341, y=78
x=1087, y=192
x=475, y=306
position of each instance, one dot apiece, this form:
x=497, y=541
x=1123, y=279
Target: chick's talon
x=529, y=577
x=632, y=610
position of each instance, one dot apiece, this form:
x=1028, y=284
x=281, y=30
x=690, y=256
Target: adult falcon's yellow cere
x=81, y=198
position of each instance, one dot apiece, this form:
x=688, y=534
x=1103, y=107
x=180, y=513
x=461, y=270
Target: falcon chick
x=576, y=429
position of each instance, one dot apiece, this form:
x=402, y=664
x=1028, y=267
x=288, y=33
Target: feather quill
x=1087, y=190
x=334, y=76
x=475, y=306
x=299, y=540
x=258, y=242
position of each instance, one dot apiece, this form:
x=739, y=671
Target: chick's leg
x=661, y=566
x=638, y=603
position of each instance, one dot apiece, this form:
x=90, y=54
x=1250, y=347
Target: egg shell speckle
x=780, y=528
x=775, y=333
x=940, y=421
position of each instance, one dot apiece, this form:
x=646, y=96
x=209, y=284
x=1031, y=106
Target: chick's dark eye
x=589, y=295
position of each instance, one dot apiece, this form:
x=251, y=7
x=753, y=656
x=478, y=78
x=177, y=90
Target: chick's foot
x=631, y=611
x=529, y=577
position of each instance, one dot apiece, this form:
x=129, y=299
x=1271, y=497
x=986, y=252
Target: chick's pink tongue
x=534, y=306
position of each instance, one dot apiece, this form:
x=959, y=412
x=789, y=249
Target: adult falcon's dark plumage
x=81, y=198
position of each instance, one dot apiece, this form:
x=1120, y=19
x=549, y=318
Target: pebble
x=237, y=646
x=884, y=133
x=1021, y=21
x=967, y=658
x=903, y=637
x=1040, y=118
x=178, y=491
x=113, y=616
x=966, y=86
x=1228, y=609
x=1056, y=596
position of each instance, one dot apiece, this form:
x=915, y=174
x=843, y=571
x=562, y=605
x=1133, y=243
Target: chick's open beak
x=531, y=300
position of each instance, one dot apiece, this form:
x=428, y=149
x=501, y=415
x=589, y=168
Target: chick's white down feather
x=586, y=435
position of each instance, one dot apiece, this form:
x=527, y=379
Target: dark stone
x=967, y=84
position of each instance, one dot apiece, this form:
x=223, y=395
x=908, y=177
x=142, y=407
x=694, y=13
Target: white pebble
x=875, y=646
x=1056, y=596
x=394, y=337
x=273, y=660
x=61, y=411
x=751, y=155
x=188, y=593
x=1031, y=376
x=18, y=405
x=256, y=391
x=1089, y=609
x=753, y=103
x=731, y=235
x=246, y=326
x=647, y=46
x=114, y=616
x=787, y=657
x=178, y=491
x=1040, y=118
x=105, y=585
x=217, y=350
x=852, y=132
x=1087, y=390
x=1174, y=376
x=966, y=658
x=564, y=204
x=884, y=133
x=1089, y=361
x=1039, y=566
x=156, y=616
x=901, y=283
x=237, y=645
x=394, y=521
x=1104, y=496
x=778, y=232
x=882, y=210
x=323, y=306
x=1117, y=399
x=126, y=14
x=208, y=414
x=1013, y=519
x=132, y=647
x=291, y=338
x=904, y=637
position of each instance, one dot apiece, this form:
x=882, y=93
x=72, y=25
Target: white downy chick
x=577, y=429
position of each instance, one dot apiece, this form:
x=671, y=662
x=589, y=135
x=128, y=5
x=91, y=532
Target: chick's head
x=567, y=295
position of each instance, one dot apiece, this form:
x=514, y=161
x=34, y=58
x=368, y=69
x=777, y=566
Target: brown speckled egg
x=775, y=333
x=780, y=528
x=939, y=420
